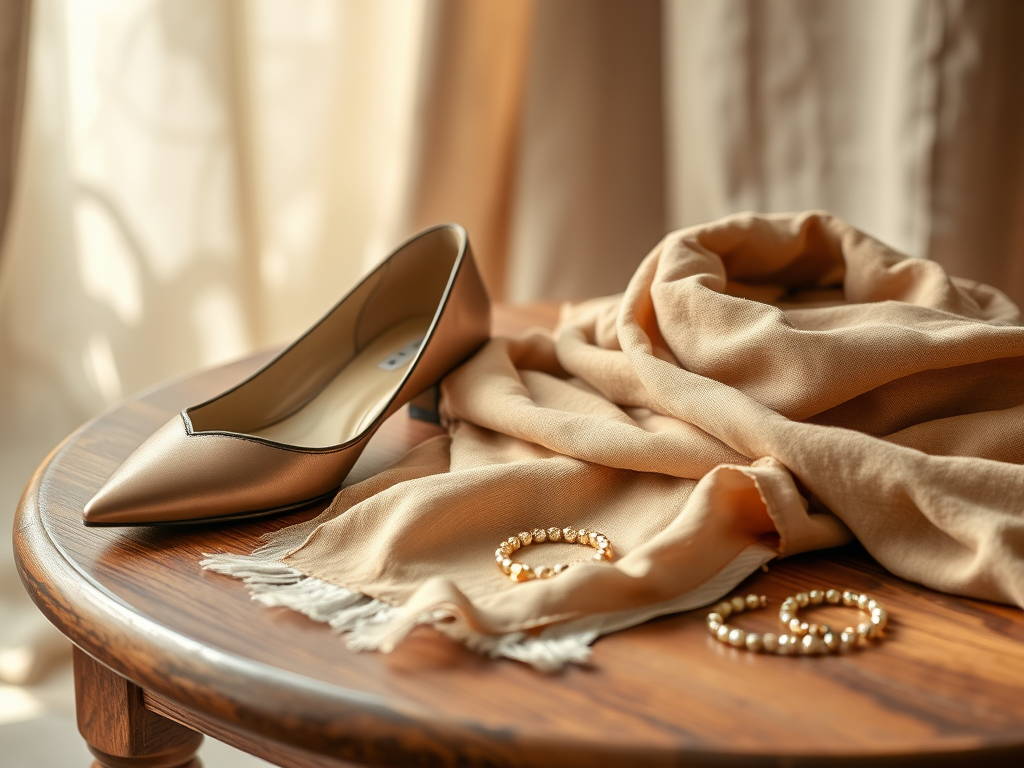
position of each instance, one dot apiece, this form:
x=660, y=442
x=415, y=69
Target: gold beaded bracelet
x=804, y=638
x=864, y=631
x=522, y=572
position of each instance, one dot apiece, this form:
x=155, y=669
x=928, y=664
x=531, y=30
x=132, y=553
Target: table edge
x=323, y=718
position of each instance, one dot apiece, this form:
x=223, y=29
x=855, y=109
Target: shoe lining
x=354, y=398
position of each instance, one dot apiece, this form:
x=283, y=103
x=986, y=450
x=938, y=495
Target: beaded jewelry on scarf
x=522, y=572
x=803, y=638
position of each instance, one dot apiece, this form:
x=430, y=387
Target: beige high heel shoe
x=291, y=432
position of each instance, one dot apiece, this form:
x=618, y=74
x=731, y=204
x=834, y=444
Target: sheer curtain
x=14, y=16
x=193, y=179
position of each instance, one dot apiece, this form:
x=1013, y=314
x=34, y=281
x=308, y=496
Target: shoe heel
x=424, y=407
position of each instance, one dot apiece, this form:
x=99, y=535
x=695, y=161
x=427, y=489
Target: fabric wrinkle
x=704, y=431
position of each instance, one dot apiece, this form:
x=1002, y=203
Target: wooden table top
x=947, y=685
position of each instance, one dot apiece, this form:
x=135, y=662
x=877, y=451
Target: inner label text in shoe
x=397, y=359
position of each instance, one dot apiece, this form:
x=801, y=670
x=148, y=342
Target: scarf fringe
x=371, y=624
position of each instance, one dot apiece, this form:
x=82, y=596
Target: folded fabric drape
x=766, y=385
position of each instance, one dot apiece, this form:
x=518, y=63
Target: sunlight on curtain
x=197, y=178
x=330, y=100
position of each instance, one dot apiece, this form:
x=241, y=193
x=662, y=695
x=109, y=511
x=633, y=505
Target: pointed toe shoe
x=290, y=433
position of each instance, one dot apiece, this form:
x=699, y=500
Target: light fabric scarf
x=766, y=385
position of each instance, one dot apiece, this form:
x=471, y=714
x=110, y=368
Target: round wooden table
x=165, y=650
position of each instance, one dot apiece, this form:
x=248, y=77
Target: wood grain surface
x=946, y=686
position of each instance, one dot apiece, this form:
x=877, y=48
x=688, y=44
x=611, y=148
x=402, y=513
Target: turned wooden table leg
x=120, y=731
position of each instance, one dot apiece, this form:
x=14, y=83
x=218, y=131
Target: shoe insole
x=356, y=396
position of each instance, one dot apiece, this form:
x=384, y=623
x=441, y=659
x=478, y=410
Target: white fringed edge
x=363, y=618
x=371, y=624
x=276, y=584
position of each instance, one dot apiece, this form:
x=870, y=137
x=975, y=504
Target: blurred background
x=185, y=181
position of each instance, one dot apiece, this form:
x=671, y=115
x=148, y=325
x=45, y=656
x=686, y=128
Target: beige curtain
x=977, y=175
x=468, y=136
x=198, y=178
x=902, y=117
x=630, y=119
x=14, y=16
x=590, y=193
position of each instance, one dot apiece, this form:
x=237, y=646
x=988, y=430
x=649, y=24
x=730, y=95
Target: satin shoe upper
x=291, y=432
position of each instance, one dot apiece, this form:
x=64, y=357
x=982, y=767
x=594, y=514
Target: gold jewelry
x=736, y=637
x=850, y=636
x=523, y=572
x=803, y=638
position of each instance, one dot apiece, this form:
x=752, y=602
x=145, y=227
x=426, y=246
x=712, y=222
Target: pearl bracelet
x=804, y=638
x=522, y=572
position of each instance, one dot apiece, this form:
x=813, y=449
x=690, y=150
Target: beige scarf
x=766, y=385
